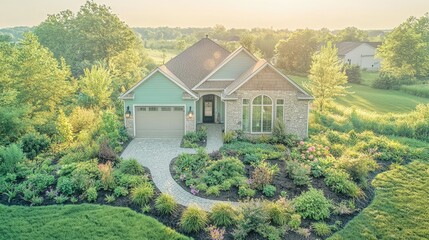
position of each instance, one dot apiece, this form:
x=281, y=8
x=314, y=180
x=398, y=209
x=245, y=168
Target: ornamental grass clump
x=223, y=214
x=193, y=219
x=165, y=204
x=142, y=194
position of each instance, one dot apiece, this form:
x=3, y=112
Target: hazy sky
x=291, y=14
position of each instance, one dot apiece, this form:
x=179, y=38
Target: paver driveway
x=156, y=154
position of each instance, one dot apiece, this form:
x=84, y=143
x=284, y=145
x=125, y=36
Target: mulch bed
x=283, y=183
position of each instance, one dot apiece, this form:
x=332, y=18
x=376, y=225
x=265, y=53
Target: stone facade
x=129, y=125
x=190, y=124
x=295, y=111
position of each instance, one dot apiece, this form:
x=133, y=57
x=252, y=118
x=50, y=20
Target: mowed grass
x=84, y=221
x=157, y=55
x=399, y=210
x=377, y=100
x=369, y=77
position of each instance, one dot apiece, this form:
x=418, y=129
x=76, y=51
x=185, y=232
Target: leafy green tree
x=247, y=40
x=92, y=36
x=327, y=77
x=96, y=86
x=65, y=129
x=351, y=34
x=41, y=82
x=405, y=51
x=294, y=54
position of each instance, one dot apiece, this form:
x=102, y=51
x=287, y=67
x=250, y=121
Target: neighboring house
x=207, y=84
x=360, y=53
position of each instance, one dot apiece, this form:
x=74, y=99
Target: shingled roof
x=345, y=47
x=196, y=62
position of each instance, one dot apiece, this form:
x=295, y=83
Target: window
x=246, y=115
x=166, y=109
x=262, y=114
x=153, y=109
x=279, y=109
x=178, y=109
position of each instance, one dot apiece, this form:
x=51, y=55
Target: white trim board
x=224, y=62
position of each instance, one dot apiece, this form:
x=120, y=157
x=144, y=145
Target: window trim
x=262, y=105
x=282, y=105
x=250, y=114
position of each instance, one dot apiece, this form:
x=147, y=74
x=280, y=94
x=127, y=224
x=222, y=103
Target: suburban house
x=208, y=84
x=360, y=53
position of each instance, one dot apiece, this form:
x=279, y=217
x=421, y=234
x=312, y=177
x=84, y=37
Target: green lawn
x=156, y=55
x=400, y=207
x=377, y=100
x=369, y=77
x=84, y=221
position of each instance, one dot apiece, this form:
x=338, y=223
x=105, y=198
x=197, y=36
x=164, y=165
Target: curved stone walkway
x=156, y=154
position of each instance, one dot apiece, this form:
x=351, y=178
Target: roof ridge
x=202, y=39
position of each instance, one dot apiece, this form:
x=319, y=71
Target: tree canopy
x=294, y=54
x=94, y=35
x=405, y=51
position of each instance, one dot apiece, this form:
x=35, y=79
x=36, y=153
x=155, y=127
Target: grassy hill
x=372, y=99
x=84, y=221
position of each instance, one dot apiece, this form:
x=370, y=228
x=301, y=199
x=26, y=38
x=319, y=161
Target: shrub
x=39, y=181
x=9, y=157
x=246, y=191
x=165, y=204
x=120, y=191
x=279, y=129
x=229, y=136
x=131, y=166
x=353, y=73
x=188, y=166
x=51, y=194
x=65, y=185
x=110, y=198
x=36, y=200
x=279, y=211
x=193, y=219
x=313, y=204
x=131, y=181
x=254, y=158
x=299, y=172
x=213, y=190
x=83, y=119
x=73, y=199
x=61, y=199
x=142, y=194
x=221, y=170
x=106, y=153
x=223, y=214
x=263, y=175
x=216, y=233
x=345, y=207
x=269, y=190
x=357, y=165
x=253, y=218
x=91, y=194
x=385, y=82
x=295, y=221
x=305, y=232
x=107, y=177
x=339, y=181
x=33, y=144
x=321, y=229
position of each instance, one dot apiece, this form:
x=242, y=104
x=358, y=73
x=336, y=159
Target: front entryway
x=159, y=121
x=208, y=109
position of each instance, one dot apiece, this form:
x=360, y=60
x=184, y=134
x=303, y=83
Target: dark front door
x=208, y=109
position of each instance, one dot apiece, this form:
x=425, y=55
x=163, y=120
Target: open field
x=157, y=55
x=84, y=221
x=377, y=100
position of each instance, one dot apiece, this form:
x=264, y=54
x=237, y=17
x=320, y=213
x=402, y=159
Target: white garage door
x=159, y=122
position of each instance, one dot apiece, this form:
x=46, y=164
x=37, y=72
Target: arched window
x=262, y=114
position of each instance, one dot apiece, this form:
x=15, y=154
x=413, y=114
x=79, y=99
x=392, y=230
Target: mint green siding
x=235, y=67
x=158, y=89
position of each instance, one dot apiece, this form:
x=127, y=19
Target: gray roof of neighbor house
x=197, y=61
x=345, y=47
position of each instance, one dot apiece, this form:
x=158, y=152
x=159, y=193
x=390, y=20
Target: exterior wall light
x=128, y=112
x=190, y=113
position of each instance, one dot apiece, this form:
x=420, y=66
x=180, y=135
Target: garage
x=159, y=121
